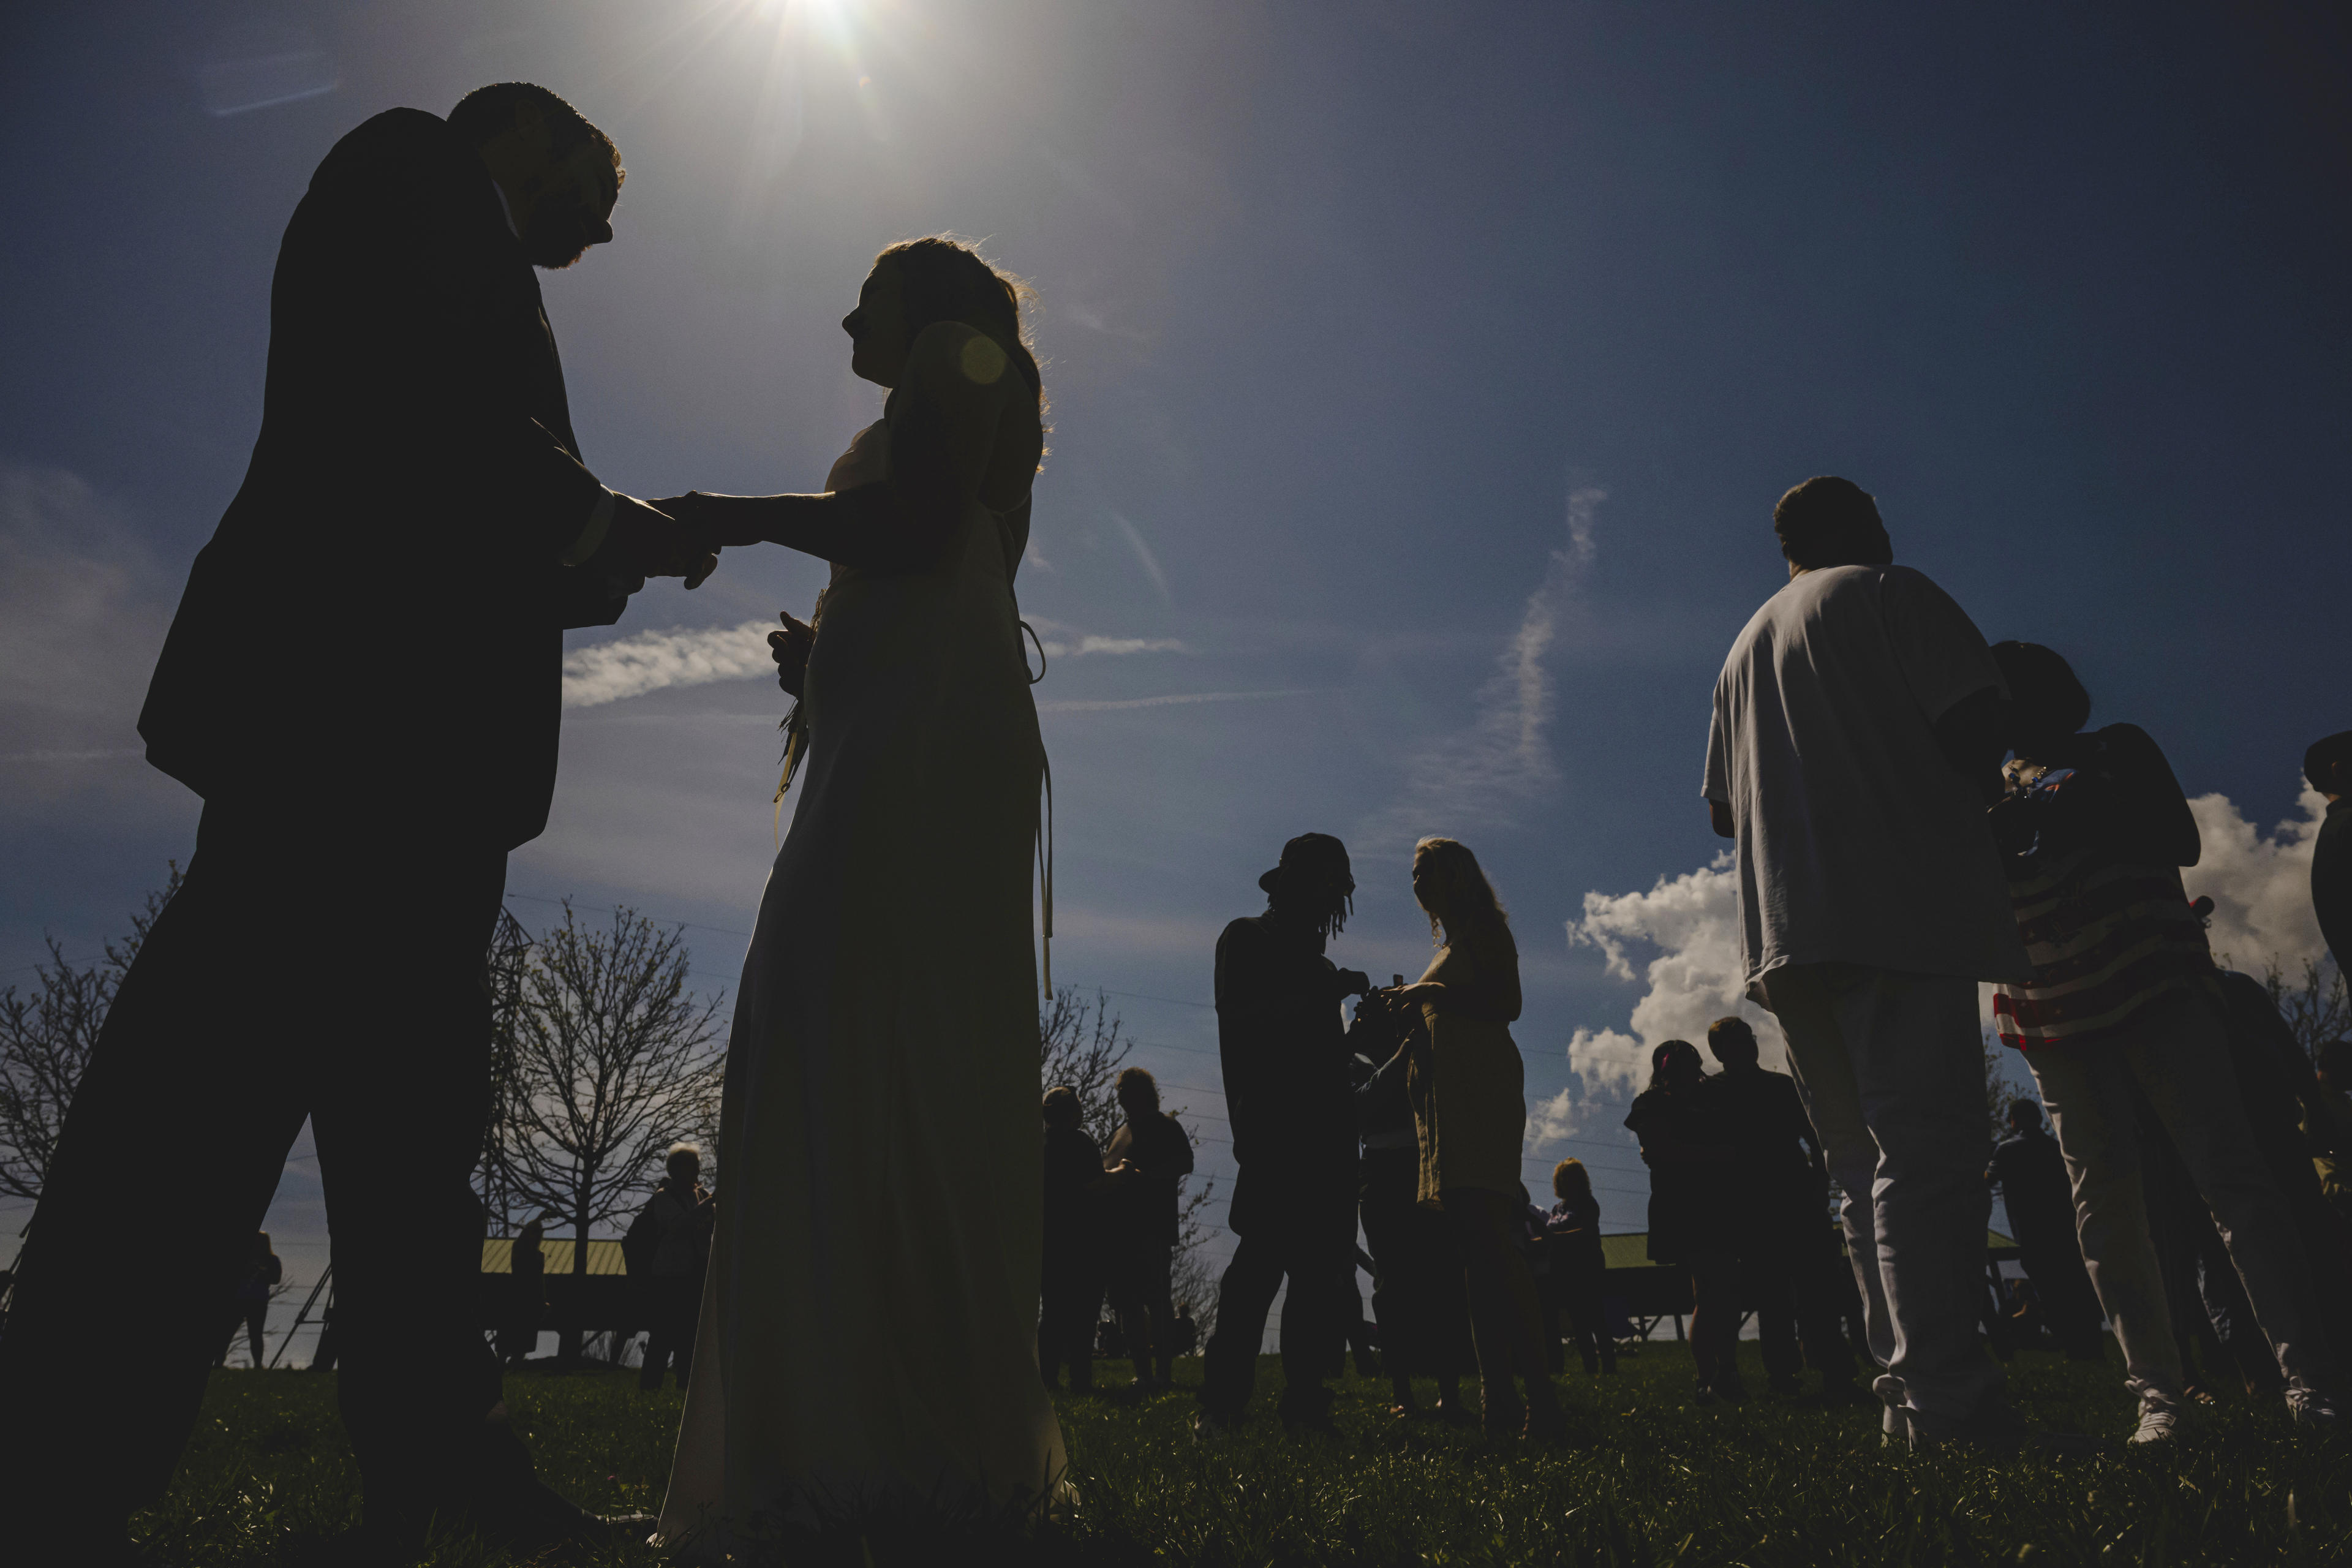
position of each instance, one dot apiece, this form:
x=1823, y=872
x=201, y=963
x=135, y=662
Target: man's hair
x=485, y=111
x=1139, y=1078
x=2327, y=758
x=1732, y=1028
x=2046, y=697
x=683, y=1147
x=1831, y=522
x=2024, y=1113
x=1061, y=1106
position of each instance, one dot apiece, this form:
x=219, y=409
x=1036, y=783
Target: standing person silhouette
x=1071, y=1285
x=1695, y=1206
x=1579, y=1266
x=2031, y=1174
x=416, y=468
x=869, y=1329
x=526, y=1304
x=1418, y=1294
x=2125, y=1021
x=1471, y=1119
x=1287, y=1098
x=1157, y=1155
x=2327, y=768
x=672, y=1236
x=1855, y=744
x=1786, y=1253
x=263, y=1271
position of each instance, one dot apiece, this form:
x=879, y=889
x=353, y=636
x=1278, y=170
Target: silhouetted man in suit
x=363, y=682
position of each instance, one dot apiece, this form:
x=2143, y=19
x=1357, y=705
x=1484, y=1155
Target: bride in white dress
x=868, y=1333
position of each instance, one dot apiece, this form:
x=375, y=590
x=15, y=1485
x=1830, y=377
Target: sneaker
x=2158, y=1423
x=2310, y=1407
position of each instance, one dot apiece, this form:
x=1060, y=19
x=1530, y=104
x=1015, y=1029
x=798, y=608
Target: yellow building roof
x=604, y=1256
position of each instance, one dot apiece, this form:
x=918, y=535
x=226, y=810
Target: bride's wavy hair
x=1478, y=913
x=941, y=278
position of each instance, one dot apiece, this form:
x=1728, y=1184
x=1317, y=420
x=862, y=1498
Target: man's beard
x=557, y=237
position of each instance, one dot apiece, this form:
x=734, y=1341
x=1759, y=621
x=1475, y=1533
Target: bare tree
x=1081, y=1044
x=2317, y=1010
x=613, y=1059
x=46, y=1036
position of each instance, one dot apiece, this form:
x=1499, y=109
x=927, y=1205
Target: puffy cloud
x=2260, y=884
x=1696, y=977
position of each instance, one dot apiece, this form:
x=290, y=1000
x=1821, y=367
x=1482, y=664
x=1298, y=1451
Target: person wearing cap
x=2327, y=766
x=1855, y=743
x=1289, y=1102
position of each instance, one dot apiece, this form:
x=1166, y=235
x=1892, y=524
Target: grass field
x=1650, y=1480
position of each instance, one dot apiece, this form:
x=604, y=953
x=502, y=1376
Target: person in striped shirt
x=2094, y=830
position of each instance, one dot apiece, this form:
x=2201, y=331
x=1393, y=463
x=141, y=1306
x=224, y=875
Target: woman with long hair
x=871, y=1310
x=1684, y=1144
x=1469, y=1089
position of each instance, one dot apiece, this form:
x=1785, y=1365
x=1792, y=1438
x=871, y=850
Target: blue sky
x=1422, y=379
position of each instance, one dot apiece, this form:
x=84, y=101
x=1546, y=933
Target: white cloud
x=1693, y=922
x=1478, y=777
x=83, y=609
x=653, y=661
x=1170, y=700
x=1062, y=640
x=650, y=662
x=2260, y=884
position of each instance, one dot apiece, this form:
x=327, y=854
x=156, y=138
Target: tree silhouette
x=46, y=1036
x=613, y=1060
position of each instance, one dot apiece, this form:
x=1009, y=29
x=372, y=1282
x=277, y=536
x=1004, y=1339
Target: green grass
x=1650, y=1480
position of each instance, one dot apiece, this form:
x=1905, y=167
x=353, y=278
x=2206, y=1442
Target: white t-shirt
x=1856, y=840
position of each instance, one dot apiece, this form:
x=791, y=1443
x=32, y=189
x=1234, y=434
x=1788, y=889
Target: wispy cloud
x=654, y=661
x=1170, y=699
x=1482, y=775
x=1062, y=640
x=651, y=661
x=1149, y=561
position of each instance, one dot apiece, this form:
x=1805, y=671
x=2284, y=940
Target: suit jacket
x=1288, y=1100
x=374, y=631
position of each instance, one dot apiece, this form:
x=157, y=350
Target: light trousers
x=2179, y=1057
x=1890, y=1067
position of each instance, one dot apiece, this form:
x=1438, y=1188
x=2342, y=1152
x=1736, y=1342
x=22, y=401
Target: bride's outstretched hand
x=791, y=647
x=723, y=525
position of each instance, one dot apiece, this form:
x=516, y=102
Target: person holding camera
x=1287, y=1098
x=2095, y=830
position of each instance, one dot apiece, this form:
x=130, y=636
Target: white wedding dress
x=868, y=1330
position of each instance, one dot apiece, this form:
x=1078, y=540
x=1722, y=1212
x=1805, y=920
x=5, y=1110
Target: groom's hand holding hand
x=651, y=542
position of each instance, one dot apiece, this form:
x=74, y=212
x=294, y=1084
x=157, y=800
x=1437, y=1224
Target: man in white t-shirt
x=1856, y=745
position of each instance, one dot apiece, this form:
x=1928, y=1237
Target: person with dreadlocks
x=1290, y=1104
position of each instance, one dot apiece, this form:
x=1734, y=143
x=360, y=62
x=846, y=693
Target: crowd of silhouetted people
x=1914, y=814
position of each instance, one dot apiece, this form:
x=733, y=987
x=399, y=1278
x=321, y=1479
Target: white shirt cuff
x=591, y=538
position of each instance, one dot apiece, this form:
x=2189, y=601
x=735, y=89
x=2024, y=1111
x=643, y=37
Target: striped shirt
x=2107, y=924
